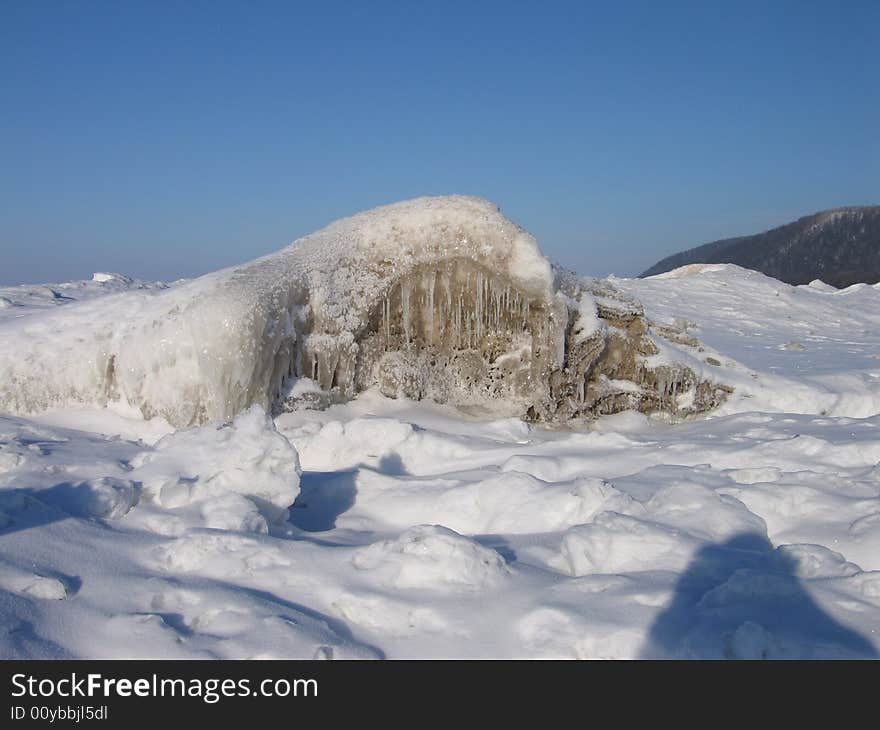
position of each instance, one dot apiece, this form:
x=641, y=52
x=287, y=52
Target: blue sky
x=168, y=139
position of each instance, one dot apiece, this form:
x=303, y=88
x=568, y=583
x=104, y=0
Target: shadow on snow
x=742, y=599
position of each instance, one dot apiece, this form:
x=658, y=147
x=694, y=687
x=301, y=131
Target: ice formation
x=440, y=298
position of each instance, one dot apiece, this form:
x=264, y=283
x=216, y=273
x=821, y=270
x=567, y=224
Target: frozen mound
x=691, y=270
x=102, y=277
x=103, y=497
x=441, y=298
x=240, y=476
x=433, y=557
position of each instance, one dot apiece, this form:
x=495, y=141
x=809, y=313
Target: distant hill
x=840, y=247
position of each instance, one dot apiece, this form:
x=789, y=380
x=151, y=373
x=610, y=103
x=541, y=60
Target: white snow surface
x=797, y=349
x=587, y=321
x=388, y=528
x=417, y=531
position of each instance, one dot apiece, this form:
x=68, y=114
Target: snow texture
x=371, y=527
x=419, y=531
x=245, y=466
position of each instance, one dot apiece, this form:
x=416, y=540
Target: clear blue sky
x=168, y=139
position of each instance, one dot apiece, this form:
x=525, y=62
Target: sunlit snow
x=373, y=526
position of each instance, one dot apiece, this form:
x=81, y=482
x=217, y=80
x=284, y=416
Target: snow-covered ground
x=417, y=530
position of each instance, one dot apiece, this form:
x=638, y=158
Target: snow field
x=714, y=538
x=388, y=528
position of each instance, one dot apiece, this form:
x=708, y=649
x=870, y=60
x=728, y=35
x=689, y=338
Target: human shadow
x=742, y=599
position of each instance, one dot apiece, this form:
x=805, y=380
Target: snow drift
x=439, y=298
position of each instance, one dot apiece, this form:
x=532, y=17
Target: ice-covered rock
x=441, y=298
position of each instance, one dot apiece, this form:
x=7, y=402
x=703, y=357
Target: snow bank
x=797, y=349
x=488, y=505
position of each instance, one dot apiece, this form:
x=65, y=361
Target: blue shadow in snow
x=743, y=599
x=323, y=496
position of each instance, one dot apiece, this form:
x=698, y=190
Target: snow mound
x=359, y=441
x=26, y=583
x=817, y=561
x=692, y=270
x=433, y=557
x=231, y=472
x=616, y=543
x=441, y=298
x=491, y=505
x=105, y=497
x=819, y=285
x=103, y=277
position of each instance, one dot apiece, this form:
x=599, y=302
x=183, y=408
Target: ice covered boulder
x=441, y=298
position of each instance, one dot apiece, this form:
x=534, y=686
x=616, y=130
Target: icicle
x=386, y=319
x=478, y=311
x=447, y=295
x=405, y=306
x=428, y=282
x=459, y=323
